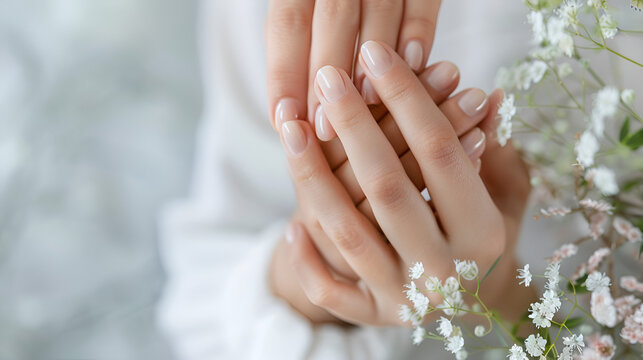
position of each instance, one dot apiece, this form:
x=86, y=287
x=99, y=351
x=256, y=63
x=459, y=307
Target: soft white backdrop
x=98, y=105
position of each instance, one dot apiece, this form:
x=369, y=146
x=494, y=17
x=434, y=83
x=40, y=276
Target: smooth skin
x=304, y=35
x=472, y=217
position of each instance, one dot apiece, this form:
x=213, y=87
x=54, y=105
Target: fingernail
x=368, y=93
x=294, y=137
x=442, y=76
x=414, y=54
x=473, y=141
x=472, y=102
x=323, y=128
x=286, y=110
x=331, y=83
x=478, y=165
x=376, y=58
x=291, y=233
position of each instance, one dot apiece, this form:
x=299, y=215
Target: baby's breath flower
x=602, y=308
x=574, y=342
x=597, y=281
x=537, y=22
x=555, y=211
x=451, y=286
x=516, y=353
x=564, y=70
x=504, y=132
x=537, y=70
x=535, y=345
x=552, y=273
x=405, y=313
x=586, y=149
x=454, y=343
x=597, y=257
x=416, y=271
x=630, y=283
x=467, y=269
x=420, y=303
x=432, y=284
x=568, y=12
x=596, y=3
x=632, y=332
x=566, y=44
x=626, y=229
x=598, y=205
x=461, y=355
x=597, y=225
x=525, y=275
x=507, y=108
x=418, y=335
x=609, y=26
x=627, y=96
x=479, y=331
x=604, y=179
x=445, y=328
x=564, y=252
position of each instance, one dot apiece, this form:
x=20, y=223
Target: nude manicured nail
x=368, y=93
x=291, y=234
x=294, y=137
x=472, y=102
x=473, y=141
x=442, y=76
x=413, y=55
x=323, y=127
x=331, y=83
x=285, y=110
x=376, y=58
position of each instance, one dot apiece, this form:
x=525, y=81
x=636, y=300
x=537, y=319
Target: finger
x=473, y=143
x=456, y=189
x=380, y=21
x=335, y=26
x=317, y=188
x=440, y=80
x=400, y=210
x=346, y=301
x=288, y=28
x=417, y=31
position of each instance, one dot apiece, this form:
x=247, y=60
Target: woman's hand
x=304, y=35
x=470, y=226
x=465, y=111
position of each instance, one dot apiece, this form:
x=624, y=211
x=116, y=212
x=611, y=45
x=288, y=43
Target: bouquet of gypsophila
x=582, y=138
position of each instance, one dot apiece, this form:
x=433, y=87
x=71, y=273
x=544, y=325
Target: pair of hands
x=347, y=209
x=471, y=224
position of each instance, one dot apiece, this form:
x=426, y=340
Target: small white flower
x=445, y=328
x=411, y=291
x=537, y=22
x=420, y=304
x=416, y=271
x=454, y=344
x=597, y=281
x=604, y=179
x=418, y=335
x=540, y=315
x=479, y=331
x=602, y=308
x=552, y=273
x=405, y=313
x=609, y=26
x=451, y=286
x=504, y=132
x=537, y=70
x=596, y=3
x=535, y=345
x=461, y=355
x=467, y=269
x=568, y=12
x=566, y=44
x=586, y=149
x=574, y=342
x=516, y=353
x=555, y=30
x=432, y=284
x=507, y=108
x=525, y=275
x=564, y=70
x=606, y=101
x=627, y=96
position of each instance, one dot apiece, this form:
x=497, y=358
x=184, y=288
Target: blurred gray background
x=98, y=105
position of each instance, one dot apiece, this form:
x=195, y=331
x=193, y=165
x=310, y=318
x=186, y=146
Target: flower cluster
x=582, y=138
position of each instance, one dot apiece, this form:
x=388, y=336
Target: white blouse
x=217, y=243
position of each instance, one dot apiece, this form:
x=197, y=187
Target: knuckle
x=333, y=9
x=307, y=174
x=387, y=191
x=322, y=295
x=421, y=24
x=400, y=89
x=291, y=19
x=346, y=236
x=384, y=6
x=440, y=149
